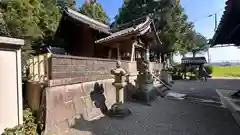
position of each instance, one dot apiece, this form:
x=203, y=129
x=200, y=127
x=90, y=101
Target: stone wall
x=65, y=104
x=82, y=69
x=70, y=82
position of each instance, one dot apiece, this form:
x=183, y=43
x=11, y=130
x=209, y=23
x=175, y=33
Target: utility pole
x=215, y=29
x=215, y=18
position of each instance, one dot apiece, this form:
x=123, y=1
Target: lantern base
x=117, y=111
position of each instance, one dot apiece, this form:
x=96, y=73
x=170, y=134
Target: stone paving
x=164, y=117
x=205, y=90
x=169, y=117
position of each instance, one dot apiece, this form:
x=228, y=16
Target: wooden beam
x=133, y=52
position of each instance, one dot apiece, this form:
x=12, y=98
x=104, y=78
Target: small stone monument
x=119, y=82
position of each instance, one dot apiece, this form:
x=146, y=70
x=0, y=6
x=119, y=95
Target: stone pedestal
x=119, y=92
x=166, y=76
x=145, y=85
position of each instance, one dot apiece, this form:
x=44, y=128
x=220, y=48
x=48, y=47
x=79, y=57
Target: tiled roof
x=224, y=19
x=138, y=29
x=87, y=20
x=193, y=60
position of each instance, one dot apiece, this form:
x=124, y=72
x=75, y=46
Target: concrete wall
x=10, y=83
x=66, y=70
x=70, y=83
x=65, y=104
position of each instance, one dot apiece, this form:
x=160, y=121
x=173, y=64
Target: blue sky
x=197, y=11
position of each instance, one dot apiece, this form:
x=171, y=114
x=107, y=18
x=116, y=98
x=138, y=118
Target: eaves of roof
x=86, y=20
x=138, y=29
x=193, y=60
x=225, y=17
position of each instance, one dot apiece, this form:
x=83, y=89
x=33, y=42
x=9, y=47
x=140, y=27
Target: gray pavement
x=170, y=117
x=205, y=90
x=164, y=117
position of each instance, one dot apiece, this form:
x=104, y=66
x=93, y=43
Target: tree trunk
x=194, y=54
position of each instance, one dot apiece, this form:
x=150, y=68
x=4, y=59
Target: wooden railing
x=37, y=68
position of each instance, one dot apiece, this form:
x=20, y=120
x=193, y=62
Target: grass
x=226, y=71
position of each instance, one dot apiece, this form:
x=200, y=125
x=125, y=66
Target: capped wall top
x=10, y=43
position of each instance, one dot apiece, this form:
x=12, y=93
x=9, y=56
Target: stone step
x=233, y=104
x=186, y=97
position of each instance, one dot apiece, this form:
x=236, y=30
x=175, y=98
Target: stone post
x=119, y=82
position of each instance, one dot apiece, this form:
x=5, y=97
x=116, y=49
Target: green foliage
x=31, y=20
x=209, y=69
x=175, y=32
x=66, y=3
x=168, y=18
x=29, y=126
x=94, y=10
x=29, y=122
x=226, y=71
x=17, y=130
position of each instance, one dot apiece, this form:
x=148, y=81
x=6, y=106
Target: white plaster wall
x=10, y=96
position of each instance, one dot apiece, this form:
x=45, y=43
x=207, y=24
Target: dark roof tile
x=87, y=20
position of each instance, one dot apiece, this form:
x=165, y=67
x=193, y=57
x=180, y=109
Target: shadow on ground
x=165, y=117
x=85, y=127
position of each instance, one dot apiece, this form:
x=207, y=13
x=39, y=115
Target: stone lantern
x=120, y=81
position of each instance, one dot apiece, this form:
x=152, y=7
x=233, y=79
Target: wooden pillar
x=118, y=52
x=110, y=53
x=133, y=52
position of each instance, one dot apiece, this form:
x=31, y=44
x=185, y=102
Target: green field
x=226, y=71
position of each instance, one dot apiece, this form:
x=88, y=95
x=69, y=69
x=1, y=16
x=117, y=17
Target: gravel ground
x=171, y=117
x=205, y=90
x=164, y=117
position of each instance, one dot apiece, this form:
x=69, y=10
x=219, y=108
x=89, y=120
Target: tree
x=199, y=44
x=94, y=10
x=169, y=19
x=173, y=28
x=66, y=3
x=31, y=20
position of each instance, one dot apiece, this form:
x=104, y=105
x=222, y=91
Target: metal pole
x=215, y=29
x=208, y=55
x=215, y=18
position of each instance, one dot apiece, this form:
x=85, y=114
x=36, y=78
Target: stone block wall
x=69, y=86
x=65, y=104
x=71, y=69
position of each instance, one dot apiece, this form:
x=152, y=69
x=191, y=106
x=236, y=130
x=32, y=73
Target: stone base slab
x=232, y=104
